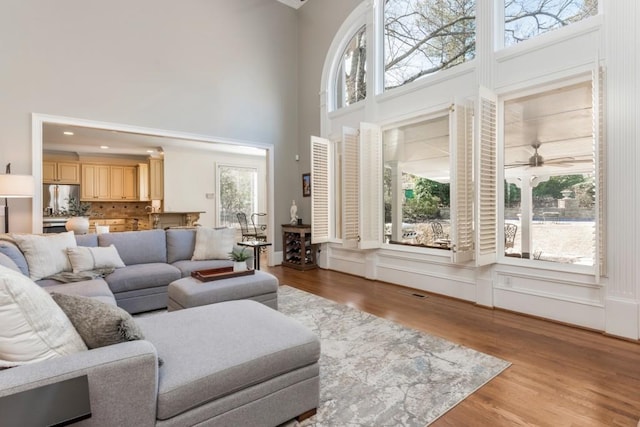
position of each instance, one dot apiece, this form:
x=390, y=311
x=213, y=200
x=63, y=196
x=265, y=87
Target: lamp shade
x=13, y=186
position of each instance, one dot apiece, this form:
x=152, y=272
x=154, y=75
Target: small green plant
x=240, y=254
x=78, y=208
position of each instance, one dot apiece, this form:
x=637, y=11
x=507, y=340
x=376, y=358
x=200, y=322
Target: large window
x=550, y=170
x=238, y=193
x=524, y=19
x=422, y=37
x=351, y=84
x=416, y=184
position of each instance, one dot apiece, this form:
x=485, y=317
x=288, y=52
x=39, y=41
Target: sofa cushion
x=11, y=249
x=87, y=259
x=96, y=289
x=33, y=328
x=228, y=347
x=141, y=276
x=88, y=240
x=137, y=247
x=180, y=244
x=5, y=261
x=98, y=324
x=46, y=254
x=212, y=243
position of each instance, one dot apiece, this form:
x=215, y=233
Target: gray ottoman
x=189, y=292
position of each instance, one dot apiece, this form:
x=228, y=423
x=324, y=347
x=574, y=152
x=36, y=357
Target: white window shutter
x=370, y=193
x=320, y=193
x=599, y=150
x=350, y=187
x=461, y=135
x=486, y=178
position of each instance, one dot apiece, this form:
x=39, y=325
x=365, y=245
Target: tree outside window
x=525, y=19
x=238, y=193
x=351, y=84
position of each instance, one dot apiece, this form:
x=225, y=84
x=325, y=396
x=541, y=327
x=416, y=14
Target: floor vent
x=412, y=294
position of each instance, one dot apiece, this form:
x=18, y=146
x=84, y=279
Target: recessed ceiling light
x=150, y=151
x=68, y=132
x=104, y=147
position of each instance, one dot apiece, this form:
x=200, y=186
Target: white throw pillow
x=213, y=243
x=46, y=254
x=85, y=258
x=34, y=327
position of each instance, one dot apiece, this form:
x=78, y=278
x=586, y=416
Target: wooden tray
x=218, y=274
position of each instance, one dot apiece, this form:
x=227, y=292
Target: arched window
x=351, y=77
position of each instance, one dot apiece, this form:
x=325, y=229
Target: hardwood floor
x=560, y=375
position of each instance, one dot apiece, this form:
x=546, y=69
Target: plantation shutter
x=320, y=195
x=461, y=132
x=370, y=191
x=599, y=152
x=350, y=187
x=486, y=179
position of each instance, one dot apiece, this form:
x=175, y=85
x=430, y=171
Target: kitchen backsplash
x=120, y=210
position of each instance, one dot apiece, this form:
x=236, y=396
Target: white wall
x=187, y=191
x=209, y=67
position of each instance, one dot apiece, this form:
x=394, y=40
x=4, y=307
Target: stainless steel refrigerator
x=55, y=198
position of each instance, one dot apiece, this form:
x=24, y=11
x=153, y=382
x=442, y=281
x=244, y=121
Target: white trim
x=38, y=120
x=354, y=22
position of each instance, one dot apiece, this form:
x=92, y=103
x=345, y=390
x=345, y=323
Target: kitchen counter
x=174, y=219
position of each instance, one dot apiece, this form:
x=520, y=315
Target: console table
x=298, y=251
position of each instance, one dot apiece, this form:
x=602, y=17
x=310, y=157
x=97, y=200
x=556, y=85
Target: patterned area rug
x=374, y=372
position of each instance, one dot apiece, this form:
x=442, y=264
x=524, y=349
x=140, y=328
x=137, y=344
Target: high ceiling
x=89, y=141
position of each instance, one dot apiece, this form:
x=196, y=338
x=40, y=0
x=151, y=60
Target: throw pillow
x=213, y=243
x=33, y=327
x=46, y=254
x=86, y=259
x=98, y=323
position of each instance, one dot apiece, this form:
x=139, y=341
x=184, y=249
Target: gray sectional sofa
x=235, y=363
x=153, y=259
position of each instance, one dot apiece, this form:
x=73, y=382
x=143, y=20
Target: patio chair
x=509, y=235
x=249, y=232
x=440, y=238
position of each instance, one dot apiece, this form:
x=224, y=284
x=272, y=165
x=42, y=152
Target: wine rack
x=298, y=251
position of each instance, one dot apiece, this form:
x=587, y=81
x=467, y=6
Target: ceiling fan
x=536, y=160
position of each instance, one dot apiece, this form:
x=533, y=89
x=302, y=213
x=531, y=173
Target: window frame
x=256, y=199
x=598, y=267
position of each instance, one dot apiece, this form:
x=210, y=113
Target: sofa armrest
x=123, y=381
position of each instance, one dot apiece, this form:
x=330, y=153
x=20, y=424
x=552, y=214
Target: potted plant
x=240, y=257
x=79, y=213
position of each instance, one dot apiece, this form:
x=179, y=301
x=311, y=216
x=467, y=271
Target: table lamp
x=14, y=186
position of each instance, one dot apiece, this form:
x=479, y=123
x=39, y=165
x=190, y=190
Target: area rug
x=374, y=372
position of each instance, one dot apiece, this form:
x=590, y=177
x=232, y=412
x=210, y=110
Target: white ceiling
x=560, y=120
x=88, y=141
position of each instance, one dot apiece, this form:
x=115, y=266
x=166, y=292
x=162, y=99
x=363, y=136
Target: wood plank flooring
x=560, y=375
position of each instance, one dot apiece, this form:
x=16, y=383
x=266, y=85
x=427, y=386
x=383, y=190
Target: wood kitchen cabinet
x=123, y=183
x=156, y=179
x=95, y=182
x=60, y=172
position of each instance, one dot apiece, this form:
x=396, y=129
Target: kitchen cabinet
x=156, y=179
x=60, y=172
x=115, y=224
x=123, y=183
x=95, y=182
